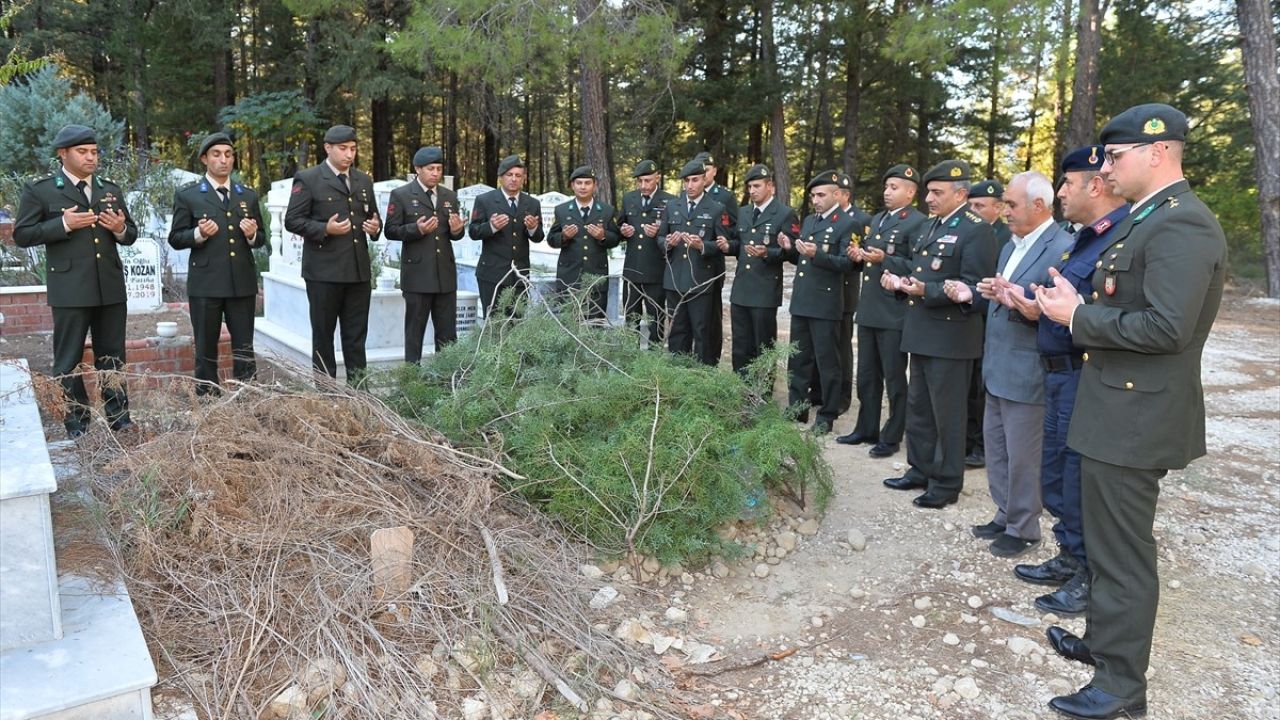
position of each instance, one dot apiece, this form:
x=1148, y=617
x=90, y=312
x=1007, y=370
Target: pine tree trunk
x=853, y=91
x=1082, y=126
x=777, y=119
x=1258, y=40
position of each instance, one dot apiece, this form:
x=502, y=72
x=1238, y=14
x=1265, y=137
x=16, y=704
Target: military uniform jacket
x=961, y=247
x=1140, y=402
x=83, y=266
x=645, y=260
x=222, y=265
x=758, y=281
x=583, y=253
x=894, y=233
x=318, y=195
x=503, y=249
x=1003, y=234
x=691, y=271
x=426, y=261
x=818, y=288
x=862, y=228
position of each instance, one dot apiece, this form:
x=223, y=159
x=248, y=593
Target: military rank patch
x=1109, y=284
x=297, y=188
x=936, y=265
x=391, y=207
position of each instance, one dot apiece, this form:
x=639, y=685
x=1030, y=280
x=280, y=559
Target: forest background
x=860, y=85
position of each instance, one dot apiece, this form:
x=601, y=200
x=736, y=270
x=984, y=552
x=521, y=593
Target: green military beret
x=954, y=170
x=73, y=135
x=904, y=171
x=826, y=177
x=1145, y=123
x=645, y=167
x=987, y=188
x=583, y=171
x=508, y=162
x=691, y=168
x=1088, y=157
x=428, y=156
x=218, y=138
x=705, y=158
x=846, y=182
x=759, y=172
x=339, y=134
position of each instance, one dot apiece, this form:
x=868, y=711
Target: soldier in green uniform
x=942, y=336
x=882, y=366
x=757, y=283
x=688, y=231
x=862, y=222
x=333, y=208
x=645, y=260
x=817, y=300
x=986, y=198
x=220, y=222
x=505, y=220
x=584, y=231
x=725, y=197
x=1139, y=409
x=80, y=218
x=424, y=216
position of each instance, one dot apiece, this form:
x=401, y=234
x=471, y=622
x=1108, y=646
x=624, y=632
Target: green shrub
x=632, y=449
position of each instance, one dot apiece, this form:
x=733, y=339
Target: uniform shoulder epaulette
x=190, y=184
x=42, y=178
x=973, y=217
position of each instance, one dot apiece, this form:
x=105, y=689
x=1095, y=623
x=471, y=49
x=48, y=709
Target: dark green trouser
x=1119, y=508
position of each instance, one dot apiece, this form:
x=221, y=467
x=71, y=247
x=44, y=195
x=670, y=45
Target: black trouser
x=754, y=330
x=442, y=308
x=595, y=299
x=331, y=304
x=816, y=360
x=936, y=399
x=491, y=291
x=976, y=407
x=645, y=299
x=845, y=349
x=716, y=343
x=207, y=316
x=691, y=321
x=71, y=325
x=1119, y=506
x=881, y=365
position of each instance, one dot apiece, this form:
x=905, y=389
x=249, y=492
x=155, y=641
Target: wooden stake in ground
x=391, y=550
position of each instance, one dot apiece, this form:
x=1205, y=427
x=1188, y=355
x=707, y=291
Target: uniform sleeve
x=297, y=217
x=462, y=231
x=30, y=229
x=130, y=227
x=555, y=238
x=398, y=226
x=255, y=212
x=480, y=229
x=838, y=261
x=182, y=229
x=612, y=235
x=532, y=208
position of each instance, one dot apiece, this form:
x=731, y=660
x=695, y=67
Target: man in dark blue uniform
x=1087, y=199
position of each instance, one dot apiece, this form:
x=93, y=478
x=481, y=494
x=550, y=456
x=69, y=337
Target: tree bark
x=777, y=118
x=1258, y=46
x=1060, y=98
x=1082, y=126
x=853, y=90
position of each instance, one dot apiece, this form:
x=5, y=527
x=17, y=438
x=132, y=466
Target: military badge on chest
x=936, y=265
x=1109, y=284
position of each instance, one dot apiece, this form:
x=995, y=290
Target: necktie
x=584, y=210
x=755, y=215
x=83, y=187
x=431, y=200
x=226, y=196
x=645, y=203
x=514, y=208
x=343, y=178
x=692, y=205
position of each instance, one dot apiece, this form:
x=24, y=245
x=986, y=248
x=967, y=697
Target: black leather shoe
x=1069, y=646
x=1053, y=572
x=821, y=428
x=1090, y=703
x=1009, y=546
x=1070, y=599
x=975, y=459
x=990, y=531
x=122, y=425
x=802, y=417
x=904, y=483
x=76, y=431
x=883, y=450
x=934, y=501
x=855, y=438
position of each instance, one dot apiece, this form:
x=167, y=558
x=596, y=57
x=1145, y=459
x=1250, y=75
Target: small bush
x=632, y=449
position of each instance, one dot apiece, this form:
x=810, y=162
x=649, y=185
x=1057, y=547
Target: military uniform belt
x=1061, y=363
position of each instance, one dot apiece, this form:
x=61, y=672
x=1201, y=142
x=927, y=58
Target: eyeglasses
x=1111, y=155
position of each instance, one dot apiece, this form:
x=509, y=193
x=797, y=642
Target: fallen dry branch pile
x=245, y=539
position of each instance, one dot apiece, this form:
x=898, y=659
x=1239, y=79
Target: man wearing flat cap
x=757, y=282
x=584, y=230
x=80, y=218
x=881, y=365
x=424, y=216
x=820, y=255
x=943, y=337
x=505, y=220
x=333, y=208
x=688, y=231
x=1140, y=406
x=726, y=198
x=220, y=222
x=645, y=261
x=1087, y=199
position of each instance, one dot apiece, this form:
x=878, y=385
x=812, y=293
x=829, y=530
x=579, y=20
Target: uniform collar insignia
x=1101, y=226
x=204, y=186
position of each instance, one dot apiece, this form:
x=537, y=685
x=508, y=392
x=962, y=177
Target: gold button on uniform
x=1095, y=294
x=1128, y=385
x=747, y=267
x=866, y=277
x=924, y=252
x=919, y=269
x=96, y=241
x=231, y=240
x=1085, y=357
x=233, y=253
x=99, y=256
x=800, y=274
x=1098, y=264
x=911, y=302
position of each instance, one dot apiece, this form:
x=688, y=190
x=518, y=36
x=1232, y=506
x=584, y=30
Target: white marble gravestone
x=142, y=276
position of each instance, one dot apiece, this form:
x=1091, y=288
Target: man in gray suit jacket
x=1013, y=416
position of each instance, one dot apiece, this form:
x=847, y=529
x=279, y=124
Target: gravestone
x=142, y=277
